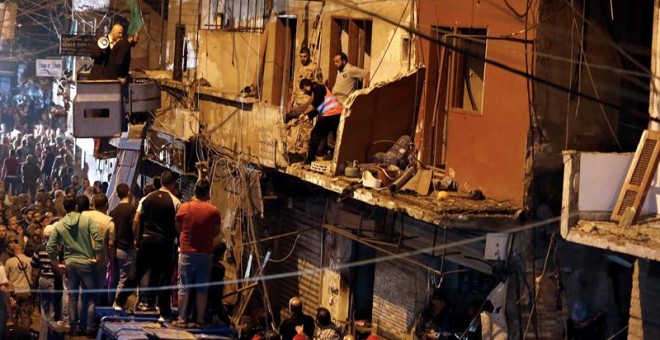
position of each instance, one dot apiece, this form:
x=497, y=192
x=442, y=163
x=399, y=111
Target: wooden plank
x=440, y=108
x=640, y=174
x=335, y=47
x=353, y=42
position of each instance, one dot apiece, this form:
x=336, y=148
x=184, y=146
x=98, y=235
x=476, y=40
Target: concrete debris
x=643, y=240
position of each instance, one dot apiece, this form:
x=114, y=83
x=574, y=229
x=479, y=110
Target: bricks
x=644, y=307
x=395, y=299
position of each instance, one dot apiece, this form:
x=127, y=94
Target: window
x=352, y=37
x=284, y=60
x=466, y=73
x=237, y=15
x=455, y=82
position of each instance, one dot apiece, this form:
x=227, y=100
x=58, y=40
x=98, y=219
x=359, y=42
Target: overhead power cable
x=338, y=267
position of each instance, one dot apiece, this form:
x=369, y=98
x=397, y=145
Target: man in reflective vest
x=327, y=107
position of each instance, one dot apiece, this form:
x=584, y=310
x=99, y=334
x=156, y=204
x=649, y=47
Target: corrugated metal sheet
x=125, y=172
x=305, y=257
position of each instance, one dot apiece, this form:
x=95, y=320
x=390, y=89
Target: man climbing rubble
x=328, y=109
x=306, y=70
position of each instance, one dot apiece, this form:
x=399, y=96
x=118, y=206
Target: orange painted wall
x=487, y=151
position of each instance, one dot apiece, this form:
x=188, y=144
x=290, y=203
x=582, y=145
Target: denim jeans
x=81, y=276
x=49, y=304
x=123, y=266
x=65, y=298
x=193, y=269
x=155, y=254
x=15, y=184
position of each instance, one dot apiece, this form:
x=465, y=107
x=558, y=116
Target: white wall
x=601, y=177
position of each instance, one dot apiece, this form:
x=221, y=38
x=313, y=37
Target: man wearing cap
x=19, y=271
x=327, y=107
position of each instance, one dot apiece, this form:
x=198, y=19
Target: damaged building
x=474, y=100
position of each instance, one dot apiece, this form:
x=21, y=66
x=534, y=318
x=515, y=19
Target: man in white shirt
x=347, y=77
x=19, y=270
x=106, y=227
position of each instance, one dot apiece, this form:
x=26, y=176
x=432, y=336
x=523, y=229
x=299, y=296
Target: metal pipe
x=402, y=180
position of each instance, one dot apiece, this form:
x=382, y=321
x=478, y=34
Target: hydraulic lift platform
x=139, y=328
x=144, y=326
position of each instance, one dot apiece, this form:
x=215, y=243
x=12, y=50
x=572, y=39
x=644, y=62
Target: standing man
x=123, y=251
x=306, y=70
x=101, y=56
x=31, y=173
x=19, y=272
x=327, y=329
x=298, y=318
x=76, y=233
x=198, y=223
x=155, y=237
x=120, y=58
x=106, y=228
x=327, y=107
x=347, y=77
x=435, y=319
x=47, y=296
x=11, y=168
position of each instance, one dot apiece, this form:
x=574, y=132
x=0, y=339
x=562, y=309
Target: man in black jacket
x=102, y=56
x=298, y=318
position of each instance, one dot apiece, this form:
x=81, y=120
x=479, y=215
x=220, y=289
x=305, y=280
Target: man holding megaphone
x=101, y=53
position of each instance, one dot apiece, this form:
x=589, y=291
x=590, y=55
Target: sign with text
x=90, y=5
x=78, y=45
x=49, y=68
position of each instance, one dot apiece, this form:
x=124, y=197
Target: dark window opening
x=96, y=113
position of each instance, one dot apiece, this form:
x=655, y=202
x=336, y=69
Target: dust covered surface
x=642, y=240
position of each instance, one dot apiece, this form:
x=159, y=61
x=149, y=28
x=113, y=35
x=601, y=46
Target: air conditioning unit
x=97, y=109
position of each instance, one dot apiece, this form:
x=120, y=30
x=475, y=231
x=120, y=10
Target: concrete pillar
x=645, y=302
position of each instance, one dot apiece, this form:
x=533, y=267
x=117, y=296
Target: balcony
x=253, y=131
x=592, y=182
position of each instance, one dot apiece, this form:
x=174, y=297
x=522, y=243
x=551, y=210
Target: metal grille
x=306, y=256
x=239, y=15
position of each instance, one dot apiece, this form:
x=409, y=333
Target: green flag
x=136, y=17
